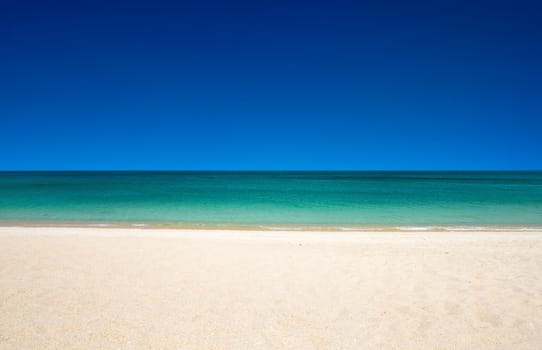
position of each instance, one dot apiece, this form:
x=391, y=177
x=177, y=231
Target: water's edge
x=254, y=227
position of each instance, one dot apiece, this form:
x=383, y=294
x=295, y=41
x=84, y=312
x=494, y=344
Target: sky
x=274, y=85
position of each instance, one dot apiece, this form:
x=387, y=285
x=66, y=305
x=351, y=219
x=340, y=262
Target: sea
x=275, y=200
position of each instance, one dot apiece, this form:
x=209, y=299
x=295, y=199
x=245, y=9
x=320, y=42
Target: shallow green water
x=327, y=199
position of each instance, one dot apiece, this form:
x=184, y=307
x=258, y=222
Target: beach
x=129, y=288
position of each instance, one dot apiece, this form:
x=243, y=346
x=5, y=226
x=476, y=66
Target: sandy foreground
x=104, y=288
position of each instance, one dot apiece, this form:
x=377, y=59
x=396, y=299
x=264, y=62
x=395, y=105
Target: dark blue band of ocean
x=275, y=199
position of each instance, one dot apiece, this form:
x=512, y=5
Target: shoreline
x=265, y=235
x=271, y=227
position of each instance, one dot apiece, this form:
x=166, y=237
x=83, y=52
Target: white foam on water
x=281, y=228
x=416, y=228
x=361, y=229
x=465, y=228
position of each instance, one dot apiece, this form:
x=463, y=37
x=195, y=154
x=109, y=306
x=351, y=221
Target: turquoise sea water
x=345, y=200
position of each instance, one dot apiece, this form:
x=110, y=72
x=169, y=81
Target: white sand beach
x=114, y=288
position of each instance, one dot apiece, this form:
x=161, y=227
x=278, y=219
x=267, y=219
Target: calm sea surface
x=405, y=200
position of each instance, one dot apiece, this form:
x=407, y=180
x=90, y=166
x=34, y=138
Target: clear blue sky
x=270, y=84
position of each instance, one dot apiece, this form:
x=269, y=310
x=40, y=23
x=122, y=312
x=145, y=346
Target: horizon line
x=267, y=170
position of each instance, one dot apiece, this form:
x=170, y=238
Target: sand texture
x=104, y=288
